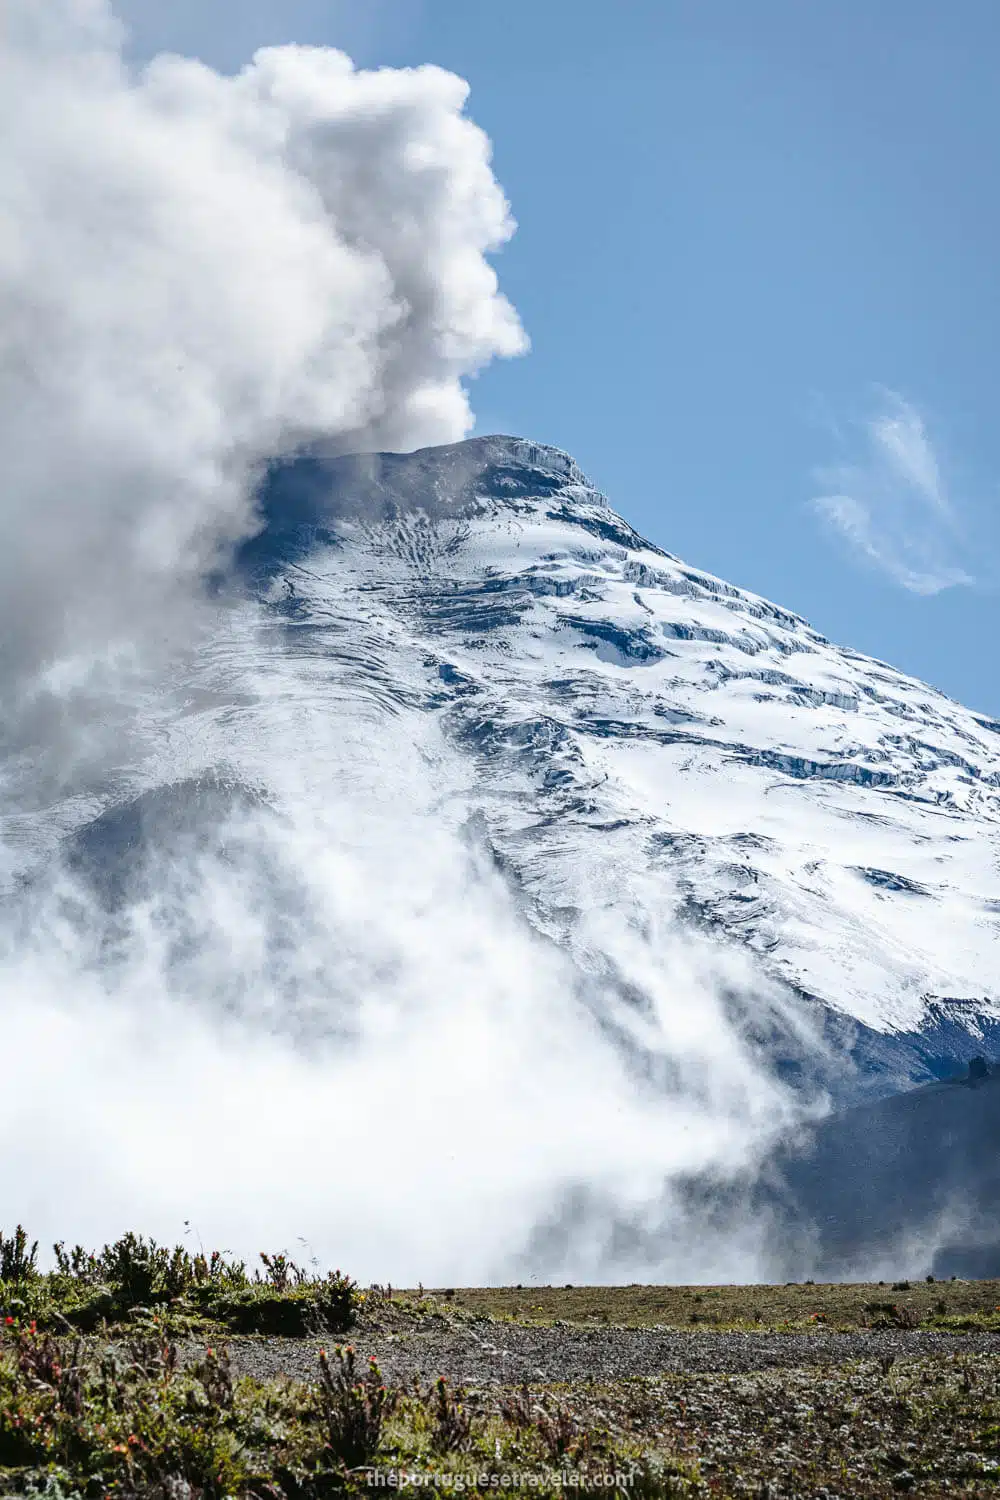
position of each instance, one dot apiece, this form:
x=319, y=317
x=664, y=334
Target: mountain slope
x=912, y=1179
x=638, y=726
x=641, y=746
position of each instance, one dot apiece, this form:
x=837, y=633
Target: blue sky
x=757, y=260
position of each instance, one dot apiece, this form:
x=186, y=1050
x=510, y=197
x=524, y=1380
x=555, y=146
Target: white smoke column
x=197, y=273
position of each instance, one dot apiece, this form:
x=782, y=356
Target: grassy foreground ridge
x=131, y=1372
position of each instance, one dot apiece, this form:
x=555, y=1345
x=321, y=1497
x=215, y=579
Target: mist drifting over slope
x=318, y=1011
x=335, y=1023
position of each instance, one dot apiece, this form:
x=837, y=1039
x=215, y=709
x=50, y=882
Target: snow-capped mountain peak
x=643, y=721
x=635, y=741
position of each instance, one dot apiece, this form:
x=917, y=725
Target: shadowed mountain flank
x=909, y=1183
x=114, y=854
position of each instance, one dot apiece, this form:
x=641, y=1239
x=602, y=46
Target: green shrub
x=328, y=1306
x=133, y=1280
x=452, y=1423
x=17, y=1261
x=353, y=1408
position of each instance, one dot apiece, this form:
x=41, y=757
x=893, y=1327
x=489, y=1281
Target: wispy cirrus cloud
x=892, y=508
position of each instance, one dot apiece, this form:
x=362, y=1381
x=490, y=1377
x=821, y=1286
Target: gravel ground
x=504, y=1354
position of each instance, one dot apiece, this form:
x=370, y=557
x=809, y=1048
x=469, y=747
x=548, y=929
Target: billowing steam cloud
x=197, y=273
x=343, y=1030
x=331, y=1020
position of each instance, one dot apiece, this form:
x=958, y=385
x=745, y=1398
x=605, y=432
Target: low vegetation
x=798, y=1307
x=116, y=1379
x=82, y=1419
x=136, y=1282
